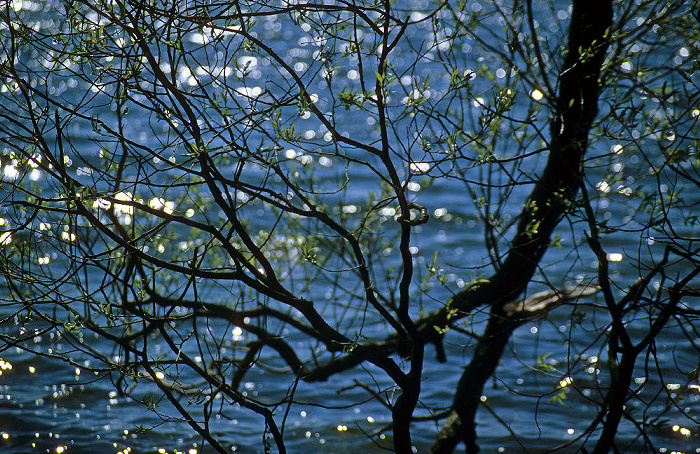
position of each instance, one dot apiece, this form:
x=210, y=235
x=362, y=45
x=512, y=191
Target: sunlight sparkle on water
x=67, y=236
x=420, y=167
x=158, y=203
x=615, y=257
x=440, y=212
x=5, y=238
x=11, y=172
x=682, y=430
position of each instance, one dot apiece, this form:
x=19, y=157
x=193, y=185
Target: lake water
x=49, y=405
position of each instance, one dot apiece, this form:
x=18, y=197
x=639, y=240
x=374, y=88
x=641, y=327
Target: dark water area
x=50, y=406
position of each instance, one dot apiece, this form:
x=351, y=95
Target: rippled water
x=49, y=406
x=46, y=406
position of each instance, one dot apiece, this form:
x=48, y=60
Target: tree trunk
x=460, y=425
x=575, y=111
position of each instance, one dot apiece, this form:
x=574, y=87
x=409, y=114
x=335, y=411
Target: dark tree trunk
x=575, y=111
x=460, y=426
